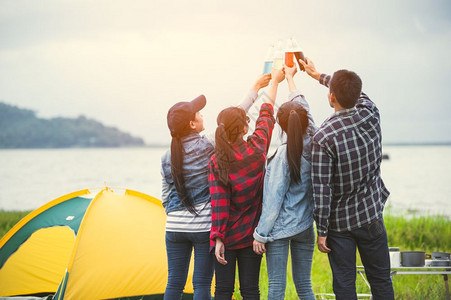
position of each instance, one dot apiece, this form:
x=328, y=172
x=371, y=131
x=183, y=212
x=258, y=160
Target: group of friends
x=231, y=203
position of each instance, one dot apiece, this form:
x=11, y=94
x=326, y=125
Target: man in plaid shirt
x=348, y=190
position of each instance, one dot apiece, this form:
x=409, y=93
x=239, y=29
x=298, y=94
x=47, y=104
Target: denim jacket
x=197, y=153
x=287, y=207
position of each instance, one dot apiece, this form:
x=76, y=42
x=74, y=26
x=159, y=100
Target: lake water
x=418, y=177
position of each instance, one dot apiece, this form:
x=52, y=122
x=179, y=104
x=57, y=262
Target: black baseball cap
x=182, y=113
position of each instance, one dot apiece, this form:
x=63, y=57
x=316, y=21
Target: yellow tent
x=107, y=245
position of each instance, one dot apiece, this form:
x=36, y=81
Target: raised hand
x=310, y=68
x=262, y=81
x=289, y=72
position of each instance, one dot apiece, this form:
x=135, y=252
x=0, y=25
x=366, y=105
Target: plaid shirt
x=346, y=157
x=236, y=207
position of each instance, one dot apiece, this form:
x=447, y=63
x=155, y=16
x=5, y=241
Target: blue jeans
x=248, y=271
x=302, y=246
x=371, y=240
x=179, y=246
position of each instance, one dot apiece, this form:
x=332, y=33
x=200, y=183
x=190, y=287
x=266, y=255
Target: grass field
x=430, y=233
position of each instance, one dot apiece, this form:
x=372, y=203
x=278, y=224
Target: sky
x=125, y=63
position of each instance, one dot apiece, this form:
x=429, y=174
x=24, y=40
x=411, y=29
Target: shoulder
x=166, y=164
x=212, y=162
x=335, y=125
x=279, y=157
x=324, y=132
x=207, y=139
x=266, y=107
x=324, y=138
x=201, y=145
x=266, y=116
x=206, y=142
x=166, y=157
x=281, y=151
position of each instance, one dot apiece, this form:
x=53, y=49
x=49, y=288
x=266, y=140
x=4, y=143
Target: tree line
x=21, y=128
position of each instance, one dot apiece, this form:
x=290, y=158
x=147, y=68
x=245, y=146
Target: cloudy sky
x=125, y=63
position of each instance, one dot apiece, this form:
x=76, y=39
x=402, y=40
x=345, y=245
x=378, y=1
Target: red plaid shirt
x=236, y=207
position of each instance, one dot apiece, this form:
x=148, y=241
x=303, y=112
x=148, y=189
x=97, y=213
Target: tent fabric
x=64, y=211
x=38, y=256
x=34, y=253
x=116, y=224
x=117, y=250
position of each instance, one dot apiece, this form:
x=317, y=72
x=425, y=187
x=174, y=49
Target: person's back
x=286, y=222
x=186, y=200
x=245, y=184
x=353, y=138
x=348, y=191
x=236, y=181
x=197, y=151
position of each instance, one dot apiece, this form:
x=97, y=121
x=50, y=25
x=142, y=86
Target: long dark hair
x=177, y=153
x=231, y=122
x=293, y=120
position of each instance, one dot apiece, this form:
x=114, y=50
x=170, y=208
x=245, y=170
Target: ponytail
x=223, y=153
x=177, y=173
x=294, y=146
x=293, y=120
x=231, y=123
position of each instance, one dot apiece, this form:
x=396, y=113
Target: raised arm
x=310, y=68
x=277, y=76
x=289, y=76
x=261, y=82
x=261, y=137
x=295, y=95
x=324, y=79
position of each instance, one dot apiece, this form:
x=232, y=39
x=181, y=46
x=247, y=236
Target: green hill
x=20, y=128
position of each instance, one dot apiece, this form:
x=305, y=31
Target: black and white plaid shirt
x=346, y=157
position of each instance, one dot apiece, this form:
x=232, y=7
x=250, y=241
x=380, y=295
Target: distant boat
x=385, y=156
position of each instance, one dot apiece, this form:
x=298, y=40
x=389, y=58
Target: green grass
x=429, y=233
x=426, y=233
x=8, y=219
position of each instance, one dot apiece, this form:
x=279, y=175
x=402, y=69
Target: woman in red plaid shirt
x=236, y=181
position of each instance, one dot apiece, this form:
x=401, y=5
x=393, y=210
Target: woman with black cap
x=186, y=196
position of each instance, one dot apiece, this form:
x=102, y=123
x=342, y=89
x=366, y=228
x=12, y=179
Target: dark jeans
x=179, y=246
x=248, y=271
x=371, y=240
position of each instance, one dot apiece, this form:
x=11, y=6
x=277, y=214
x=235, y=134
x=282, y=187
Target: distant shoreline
x=168, y=145
x=407, y=144
x=417, y=144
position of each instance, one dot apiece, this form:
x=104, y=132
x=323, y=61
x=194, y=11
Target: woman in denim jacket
x=287, y=214
x=186, y=196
